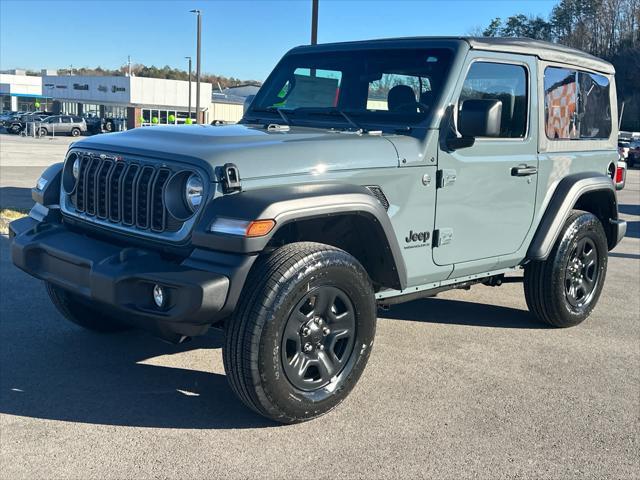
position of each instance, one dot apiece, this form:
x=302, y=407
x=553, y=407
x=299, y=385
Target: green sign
x=188, y=121
x=154, y=120
x=172, y=119
x=37, y=104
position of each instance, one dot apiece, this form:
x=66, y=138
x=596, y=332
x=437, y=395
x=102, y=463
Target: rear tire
x=82, y=314
x=75, y=132
x=563, y=289
x=43, y=132
x=302, y=332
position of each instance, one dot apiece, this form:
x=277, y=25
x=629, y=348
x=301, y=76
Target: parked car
x=289, y=229
x=18, y=123
x=623, y=149
x=633, y=155
x=63, y=124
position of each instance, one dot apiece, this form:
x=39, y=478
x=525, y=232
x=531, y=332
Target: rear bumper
x=198, y=289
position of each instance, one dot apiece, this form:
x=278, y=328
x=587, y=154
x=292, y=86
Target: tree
x=609, y=29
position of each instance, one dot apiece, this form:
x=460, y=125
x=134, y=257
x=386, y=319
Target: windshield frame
x=335, y=117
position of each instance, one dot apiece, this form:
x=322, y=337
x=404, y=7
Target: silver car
x=68, y=124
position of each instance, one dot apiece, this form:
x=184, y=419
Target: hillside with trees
x=608, y=29
x=167, y=72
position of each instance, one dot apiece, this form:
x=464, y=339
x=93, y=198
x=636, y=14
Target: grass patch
x=8, y=215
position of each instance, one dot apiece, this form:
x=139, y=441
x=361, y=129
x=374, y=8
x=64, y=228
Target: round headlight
x=75, y=170
x=193, y=192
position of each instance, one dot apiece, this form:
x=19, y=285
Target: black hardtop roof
x=548, y=51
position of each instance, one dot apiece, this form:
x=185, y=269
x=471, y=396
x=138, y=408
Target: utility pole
x=198, y=44
x=314, y=22
x=189, y=58
x=129, y=64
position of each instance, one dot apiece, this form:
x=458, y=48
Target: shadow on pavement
x=457, y=312
x=628, y=209
x=54, y=370
x=633, y=230
x=632, y=256
x=15, y=197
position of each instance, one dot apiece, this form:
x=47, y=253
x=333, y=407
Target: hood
x=256, y=152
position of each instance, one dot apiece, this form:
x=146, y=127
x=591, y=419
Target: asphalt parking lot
x=464, y=385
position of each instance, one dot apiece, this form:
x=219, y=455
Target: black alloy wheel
x=581, y=273
x=318, y=338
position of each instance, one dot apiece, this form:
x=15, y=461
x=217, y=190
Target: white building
x=140, y=100
x=20, y=92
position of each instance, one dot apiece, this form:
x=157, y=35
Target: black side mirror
x=456, y=143
x=480, y=118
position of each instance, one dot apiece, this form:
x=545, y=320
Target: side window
x=403, y=86
x=310, y=88
x=506, y=83
x=594, y=108
x=66, y=119
x=576, y=105
x=561, y=103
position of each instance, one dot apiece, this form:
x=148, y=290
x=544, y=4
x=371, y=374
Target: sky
x=240, y=38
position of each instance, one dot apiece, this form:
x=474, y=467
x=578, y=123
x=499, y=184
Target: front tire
x=75, y=132
x=43, y=132
x=81, y=313
x=302, y=332
x=563, y=289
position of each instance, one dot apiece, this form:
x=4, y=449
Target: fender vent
x=377, y=192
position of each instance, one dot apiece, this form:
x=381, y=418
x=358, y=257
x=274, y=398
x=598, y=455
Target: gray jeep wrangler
x=363, y=174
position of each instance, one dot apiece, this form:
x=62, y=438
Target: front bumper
x=123, y=278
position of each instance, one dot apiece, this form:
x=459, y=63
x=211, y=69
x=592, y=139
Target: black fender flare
x=290, y=203
x=565, y=197
x=50, y=193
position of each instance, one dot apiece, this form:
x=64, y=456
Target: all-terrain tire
x=256, y=351
x=82, y=314
x=563, y=289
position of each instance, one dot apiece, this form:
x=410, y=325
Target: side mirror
x=480, y=118
x=456, y=143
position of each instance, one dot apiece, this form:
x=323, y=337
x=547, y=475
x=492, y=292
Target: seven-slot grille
x=130, y=194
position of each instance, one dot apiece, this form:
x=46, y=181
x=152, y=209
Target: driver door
x=487, y=192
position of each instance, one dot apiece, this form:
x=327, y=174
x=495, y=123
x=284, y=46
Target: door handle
x=523, y=171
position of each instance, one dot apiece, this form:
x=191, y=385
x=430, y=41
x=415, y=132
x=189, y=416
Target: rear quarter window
x=576, y=105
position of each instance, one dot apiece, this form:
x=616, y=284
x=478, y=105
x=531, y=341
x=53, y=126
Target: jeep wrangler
x=362, y=174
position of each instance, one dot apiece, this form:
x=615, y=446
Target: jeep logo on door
x=417, y=239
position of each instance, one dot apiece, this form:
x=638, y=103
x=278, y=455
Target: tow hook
x=231, y=178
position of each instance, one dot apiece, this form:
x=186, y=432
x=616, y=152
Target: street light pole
x=189, y=58
x=314, y=22
x=198, y=43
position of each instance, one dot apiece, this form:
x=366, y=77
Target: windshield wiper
x=351, y=120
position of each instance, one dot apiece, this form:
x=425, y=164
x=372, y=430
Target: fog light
x=158, y=296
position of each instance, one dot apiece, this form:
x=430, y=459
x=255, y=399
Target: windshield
x=368, y=88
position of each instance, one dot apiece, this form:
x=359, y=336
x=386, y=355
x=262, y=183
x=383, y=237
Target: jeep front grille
x=129, y=194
